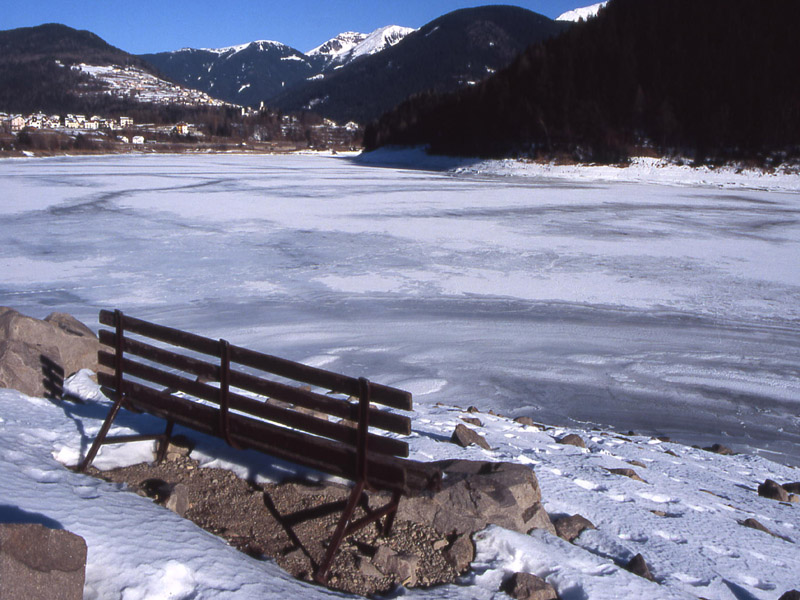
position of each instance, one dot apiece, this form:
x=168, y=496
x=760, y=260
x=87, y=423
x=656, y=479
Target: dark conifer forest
x=712, y=79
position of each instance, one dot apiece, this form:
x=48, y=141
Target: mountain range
x=357, y=76
x=351, y=77
x=256, y=72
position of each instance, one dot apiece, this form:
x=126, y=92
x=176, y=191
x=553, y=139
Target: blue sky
x=140, y=26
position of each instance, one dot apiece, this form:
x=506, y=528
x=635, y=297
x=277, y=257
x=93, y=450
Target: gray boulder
x=38, y=563
x=36, y=355
x=475, y=494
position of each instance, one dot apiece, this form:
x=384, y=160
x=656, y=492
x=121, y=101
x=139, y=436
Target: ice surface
x=576, y=297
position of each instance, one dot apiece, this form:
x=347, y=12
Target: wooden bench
x=252, y=400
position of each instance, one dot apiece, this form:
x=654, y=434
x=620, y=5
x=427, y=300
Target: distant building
x=74, y=121
x=17, y=123
x=138, y=139
x=125, y=122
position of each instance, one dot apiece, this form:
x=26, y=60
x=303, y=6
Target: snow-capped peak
x=341, y=44
x=582, y=14
x=262, y=45
x=350, y=45
x=380, y=39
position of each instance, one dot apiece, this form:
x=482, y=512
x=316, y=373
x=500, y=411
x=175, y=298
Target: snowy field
x=581, y=298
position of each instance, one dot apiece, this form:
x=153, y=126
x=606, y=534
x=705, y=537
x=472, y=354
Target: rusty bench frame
x=372, y=461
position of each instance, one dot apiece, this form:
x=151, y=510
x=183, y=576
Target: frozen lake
x=662, y=309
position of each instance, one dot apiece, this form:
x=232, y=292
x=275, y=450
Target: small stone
x=464, y=436
x=569, y=528
x=792, y=488
x=367, y=569
x=527, y=421
x=472, y=421
x=637, y=463
x=461, y=553
x=440, y=545
x=179, y=446
x=525, y=586
x=720, y=449
x=638, y=566
x=753, y=524
x=659, y=513
x=627, y=473
x=399, y=565
x=670, y=452
x=790, y=595
x=473, y=409
x=178, y=500
x=572, y=439
x=770, y=489
x=794, y=498
x=155, y=488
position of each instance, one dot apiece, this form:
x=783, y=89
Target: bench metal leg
x=164, y=440
x=321, y=576
x=387, y=525
x=101, y=437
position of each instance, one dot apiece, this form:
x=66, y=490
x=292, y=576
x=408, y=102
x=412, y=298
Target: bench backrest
x=253, y=400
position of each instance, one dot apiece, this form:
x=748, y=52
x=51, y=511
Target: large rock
x=475, y=494
x=38, y=563
x=36, y=355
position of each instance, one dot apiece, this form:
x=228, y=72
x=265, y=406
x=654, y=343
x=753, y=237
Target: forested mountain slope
x=712, y=78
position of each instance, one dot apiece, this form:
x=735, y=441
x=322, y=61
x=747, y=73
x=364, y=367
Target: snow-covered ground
x=579, y=297
x=685, y=518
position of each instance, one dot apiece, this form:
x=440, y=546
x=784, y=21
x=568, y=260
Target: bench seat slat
x=380, y=394
x=342, y=409
x=317, y=453
x=257, y=408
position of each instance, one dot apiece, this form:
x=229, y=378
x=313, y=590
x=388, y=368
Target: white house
x=138, y=139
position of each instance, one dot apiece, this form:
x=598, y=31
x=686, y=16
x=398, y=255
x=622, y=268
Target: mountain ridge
x=459, y=48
